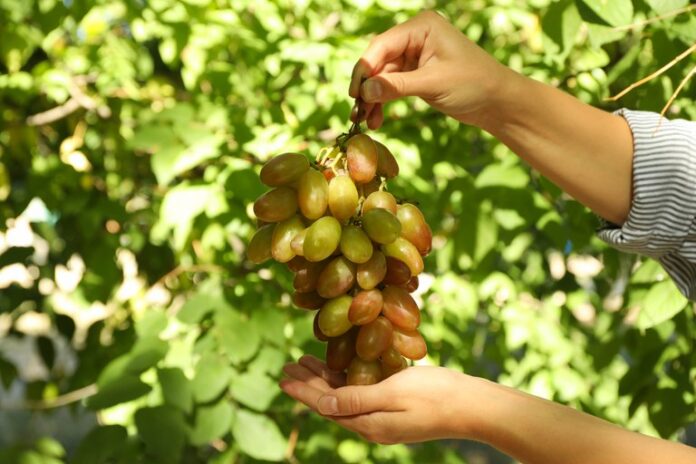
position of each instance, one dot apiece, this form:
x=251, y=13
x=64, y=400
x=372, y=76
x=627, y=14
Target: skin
x=585, y=151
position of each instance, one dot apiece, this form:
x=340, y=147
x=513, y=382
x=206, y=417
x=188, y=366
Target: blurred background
x=133, y=330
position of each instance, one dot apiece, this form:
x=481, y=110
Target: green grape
x=333, y=316
x=400, y=308
x=340, y=351
x=386, y=163
x=410, y=344
x=362, y=372
x=414, y=228
x=282, y=236
x=366, y=306
x=355, y=244
x=259, y=249
x=343, y=198
x=284, y=169
x=384, y=200
x=405, y=251
x=374, y=339
x=321, y=239
x=381, y=225
x=371, y=273
x=313, y=194
x=398, y=272
x=297, y=243
x=276, y=205
x=361, y=154
x=336, y=278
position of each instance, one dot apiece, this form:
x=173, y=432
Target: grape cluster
x=355, y=251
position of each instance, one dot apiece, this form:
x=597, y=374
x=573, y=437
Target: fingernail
x=328, y=405
x=372, y=90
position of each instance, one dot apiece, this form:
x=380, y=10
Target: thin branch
x=57, y=402
x=657, y=73
x=54, y=114
x=674, y=96
x=655, y=19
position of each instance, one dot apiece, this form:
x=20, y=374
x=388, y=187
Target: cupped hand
x=429, y=58
x=417, y=404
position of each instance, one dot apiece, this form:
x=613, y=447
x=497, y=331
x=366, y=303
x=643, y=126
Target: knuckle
x=354, y=404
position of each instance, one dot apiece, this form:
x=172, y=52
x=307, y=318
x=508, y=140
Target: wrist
x=473, y=408
x=505, y=102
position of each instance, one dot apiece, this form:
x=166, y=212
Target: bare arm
x=428, y=403
x=587, y=152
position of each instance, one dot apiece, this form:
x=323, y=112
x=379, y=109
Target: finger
x=319, y=368
x=390, y=86
x=305, y=375
x=352, y=400
x=302, y=392
x=376, y=118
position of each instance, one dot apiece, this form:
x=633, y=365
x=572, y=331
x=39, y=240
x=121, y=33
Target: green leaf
x=212, y=378
x=560, y=24
x=171, y=160
x=163, y=430
x=611, y=12
x=176, y=388
x=49, y=447
x=237, y=336
x=101, y=445
x=211, y=422
x=258, y=436
x=254, y=389
x=661, y=303
x=666, y=6
x=124, y=389
x=497, y=175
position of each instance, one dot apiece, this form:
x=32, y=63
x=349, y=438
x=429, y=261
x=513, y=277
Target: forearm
x=587, y=152
x=537, y=431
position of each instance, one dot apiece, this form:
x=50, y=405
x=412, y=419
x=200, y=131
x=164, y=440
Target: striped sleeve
x=662, y=221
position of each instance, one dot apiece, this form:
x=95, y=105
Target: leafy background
x=131, y=134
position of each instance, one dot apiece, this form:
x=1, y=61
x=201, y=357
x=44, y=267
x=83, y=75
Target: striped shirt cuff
x=662, y=221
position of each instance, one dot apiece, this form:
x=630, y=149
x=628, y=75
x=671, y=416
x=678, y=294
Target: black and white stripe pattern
x=662, y=220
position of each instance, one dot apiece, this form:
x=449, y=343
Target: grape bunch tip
x=356, y=253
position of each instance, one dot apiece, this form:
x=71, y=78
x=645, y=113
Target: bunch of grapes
x=356, y=253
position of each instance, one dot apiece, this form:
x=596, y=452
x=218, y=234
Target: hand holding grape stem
x=585, y=151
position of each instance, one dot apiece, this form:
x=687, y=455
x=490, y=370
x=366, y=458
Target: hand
x=417, y=404
x=429, y=58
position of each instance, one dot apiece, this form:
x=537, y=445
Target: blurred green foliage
x=131, y=134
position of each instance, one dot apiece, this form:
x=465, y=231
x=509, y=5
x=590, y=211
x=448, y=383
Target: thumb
x=349, y=401
x=390, y=86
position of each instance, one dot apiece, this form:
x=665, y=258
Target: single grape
x=412, y=284
x=336, y=278
x=343, y=198
x=400, y=308
x=282, y=236
x=386, y=163
x=309, y=300
x=313, y=194
x=361, y=153
x=297, y=263
x=276, y=205
x=384, y=200
x=284, y=169
x=371, y=273
x=371, y=187
x=405, y=251
x=259, y=249
x=297, y=243
x=392, y=357
x=398, y=272
x=306, y=278
x=355, y=244
x=410, y=344
x=340, y=351
x=374, y=339
x=381, y=225
x=333, y=316
x=318, y=334
x=321, y=239
x=362, y=372
x=388, y=371
x=366, y=306
x=414, y=228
